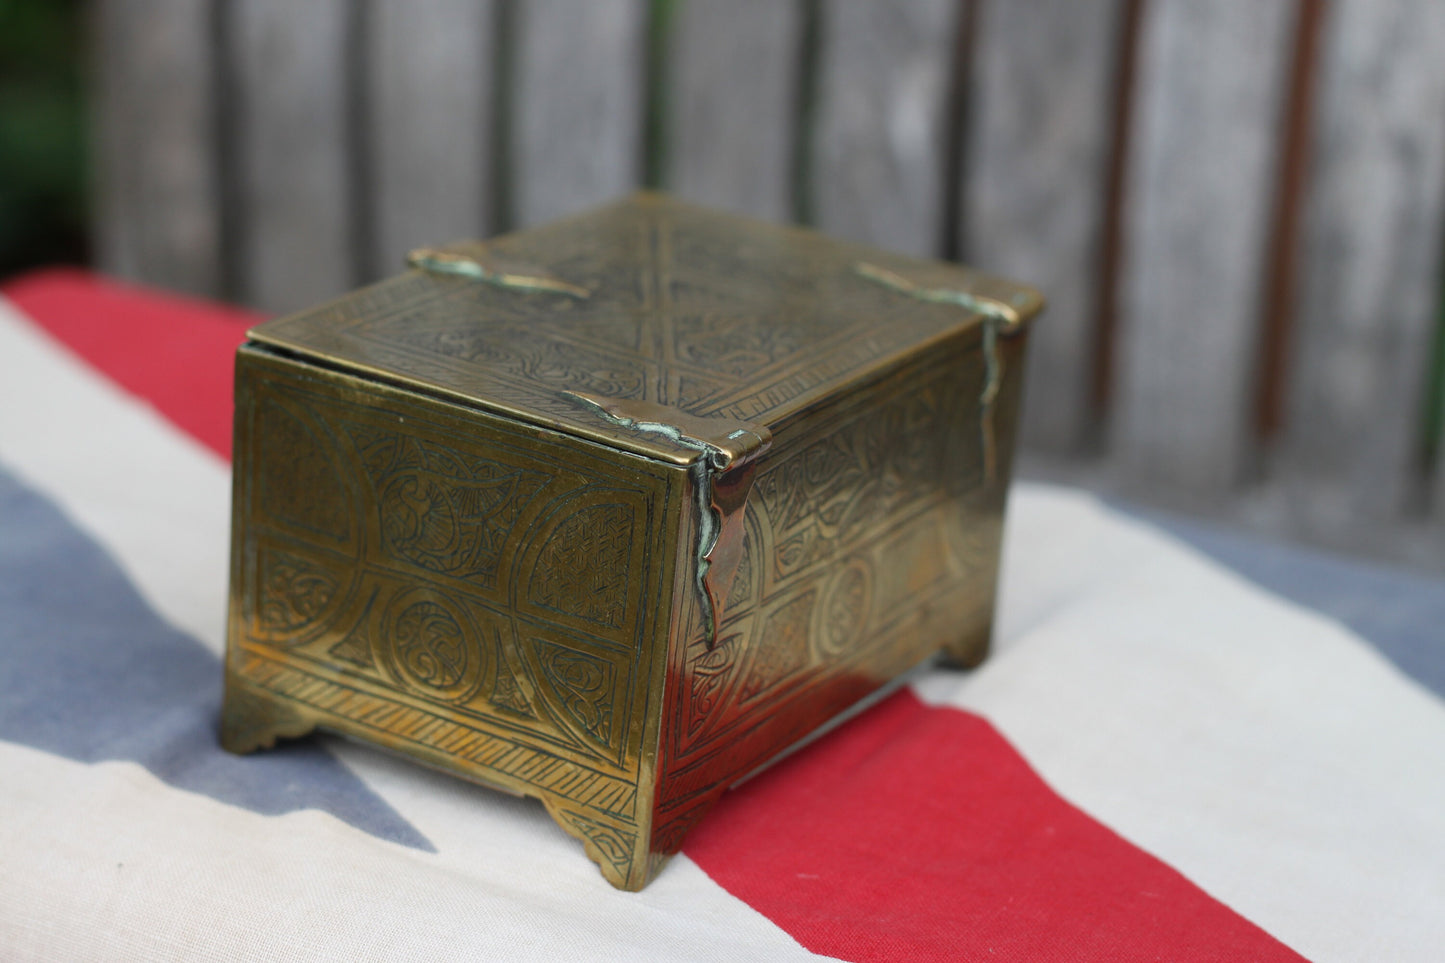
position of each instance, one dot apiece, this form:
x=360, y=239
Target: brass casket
x=614, y=511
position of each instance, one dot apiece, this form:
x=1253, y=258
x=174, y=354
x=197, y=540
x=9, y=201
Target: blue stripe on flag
x=1400, y=612
x=89, y=672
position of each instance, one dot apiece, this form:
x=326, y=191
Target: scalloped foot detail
x=252, y=719
x=619, y=852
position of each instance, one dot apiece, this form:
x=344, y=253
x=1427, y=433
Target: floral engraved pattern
x=440, y=509
x=809, y=591
x=431, y=648
x=508, y=695
x=742, y=344
x=527, y=353
x=783, y=647
x=585, y=567
x=583, y=684
x=440, y=525
x=830, y=492
x=613, y=845
x=294, y=593
x=711, y=673
x=845, y=612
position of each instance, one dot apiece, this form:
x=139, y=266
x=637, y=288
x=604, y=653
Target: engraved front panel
x=430, y=576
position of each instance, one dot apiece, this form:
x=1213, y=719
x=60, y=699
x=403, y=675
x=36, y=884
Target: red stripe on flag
x=919, y=833
x=176, y=353
x=910, y=833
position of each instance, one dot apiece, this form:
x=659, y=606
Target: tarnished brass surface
x=615, y=551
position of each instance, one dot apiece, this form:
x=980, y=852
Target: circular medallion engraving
x=432, y=647
x=845, y=611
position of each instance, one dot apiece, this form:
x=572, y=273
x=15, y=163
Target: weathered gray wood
x=1202, y=171
x=1042, y=100
x=1437, y=492
x=430, y=68
x=157, y=210
x=295, y=240
x=883, y=92
x=578, y=106
x=1372, y=254
x=732, y=104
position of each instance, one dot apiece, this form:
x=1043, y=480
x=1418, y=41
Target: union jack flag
x=1187, y=745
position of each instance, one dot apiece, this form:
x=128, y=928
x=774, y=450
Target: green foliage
x=660, y=19
x=42, y=134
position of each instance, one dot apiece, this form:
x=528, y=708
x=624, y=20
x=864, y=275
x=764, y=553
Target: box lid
x=651, y=325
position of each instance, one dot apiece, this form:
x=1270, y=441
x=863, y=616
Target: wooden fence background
x=1235, y=206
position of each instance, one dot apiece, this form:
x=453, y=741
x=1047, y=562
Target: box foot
x=253, y=719
x=624, y=856
x=969, y=651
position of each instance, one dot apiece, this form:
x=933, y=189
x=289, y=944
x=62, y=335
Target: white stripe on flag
x=1266, y=752
x=158, y=501
x=106, y=863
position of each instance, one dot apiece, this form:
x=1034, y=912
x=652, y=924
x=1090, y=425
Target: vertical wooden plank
x=295, y=241
x=1043, y=93
x=1372, y=255
x=158, y=213
x=577, y=107
x=733, y=95
x=1203, y=165
x=884, y=80
x=1281, y=288
x=430, y=93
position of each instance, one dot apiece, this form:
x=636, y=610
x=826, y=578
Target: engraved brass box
x=613, y=511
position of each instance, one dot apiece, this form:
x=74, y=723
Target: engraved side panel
x=480, y=594
x=871, y=543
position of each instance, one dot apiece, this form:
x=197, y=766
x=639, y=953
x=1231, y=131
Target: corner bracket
x=722, y=479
